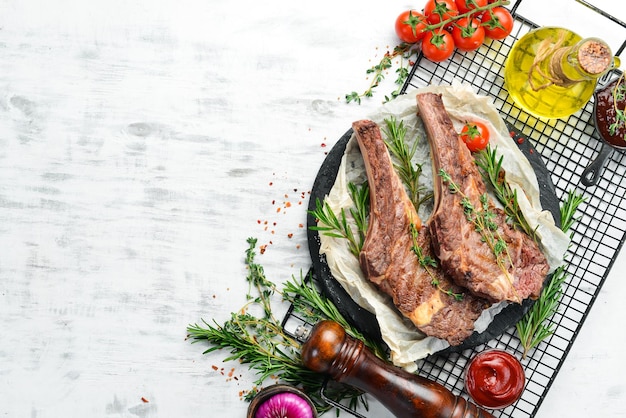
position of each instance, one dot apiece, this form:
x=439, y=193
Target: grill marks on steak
x=388, y=260
x=456, y=243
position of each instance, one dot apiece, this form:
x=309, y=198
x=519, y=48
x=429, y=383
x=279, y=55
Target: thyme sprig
x=483, y=220
x=261, y=342
x=428, y=263
x=535, y=325
x=491, y=170
x=409, y=172
x=335, y=226
x=377, y=72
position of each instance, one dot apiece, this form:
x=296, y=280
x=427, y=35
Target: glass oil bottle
x=552, y=72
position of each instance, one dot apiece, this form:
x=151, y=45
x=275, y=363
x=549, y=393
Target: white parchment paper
x=406, y=343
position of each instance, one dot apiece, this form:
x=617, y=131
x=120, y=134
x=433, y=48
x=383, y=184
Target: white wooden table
x=141, y=143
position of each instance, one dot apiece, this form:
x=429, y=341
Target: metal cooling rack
x=567, y=146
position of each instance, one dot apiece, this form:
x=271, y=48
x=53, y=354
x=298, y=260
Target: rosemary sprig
x=619, y=92
x=493, y=174
x=335, y=226
x=360, y=195
x=261, y=342
x=313, y=306
x=429, y=263
x=408, y=172
x=535, y=326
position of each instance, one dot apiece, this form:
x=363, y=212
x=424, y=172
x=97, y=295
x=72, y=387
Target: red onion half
x=281, y=401
x=284, y=405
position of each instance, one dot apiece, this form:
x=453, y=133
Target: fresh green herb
x=261, y=342
x=535, y=326
x=568, y=210
x=428, y=263
x=335, y=226
x=377, y=72
x=312, y=306
x=408, y=171
x=619, y=92
x=360, y=195
x=483, y=219
x=493, y=174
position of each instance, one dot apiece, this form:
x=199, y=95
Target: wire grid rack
x=566, y=146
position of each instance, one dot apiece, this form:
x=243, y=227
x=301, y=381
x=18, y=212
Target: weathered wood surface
x=140, y=145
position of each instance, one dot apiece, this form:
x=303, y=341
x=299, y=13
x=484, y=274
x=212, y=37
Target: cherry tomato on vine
x=498, y=23
x=475, y=135
x=410, y=26
x=465, y=6
x=440, y=10
x=438, y=45
x=467, y=33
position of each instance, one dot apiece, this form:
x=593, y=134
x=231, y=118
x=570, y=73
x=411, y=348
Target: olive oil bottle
x=552, y=72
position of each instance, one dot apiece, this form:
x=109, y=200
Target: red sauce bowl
x=495, y=379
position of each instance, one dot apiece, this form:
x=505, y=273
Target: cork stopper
x=594, y=56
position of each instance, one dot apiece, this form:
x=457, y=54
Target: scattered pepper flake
x=144, y=400
x=290, y=235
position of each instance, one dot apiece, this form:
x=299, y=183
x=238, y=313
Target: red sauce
x=606, y=115
x=495, y=379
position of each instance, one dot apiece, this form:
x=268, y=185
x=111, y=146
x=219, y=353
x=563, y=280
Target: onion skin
x=284, y=405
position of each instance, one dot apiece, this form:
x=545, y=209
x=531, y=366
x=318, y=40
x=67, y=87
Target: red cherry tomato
x=475, y=135
x=498, y=23
x=467, y=33
x=440, y=10
x=410, y=26
x=465, y=6
x=438, y=45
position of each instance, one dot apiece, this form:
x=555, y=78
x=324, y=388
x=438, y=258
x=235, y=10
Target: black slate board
x=365, y=320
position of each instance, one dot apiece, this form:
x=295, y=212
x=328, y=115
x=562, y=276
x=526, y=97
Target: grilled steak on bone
x=389, y=261
x=458, y=245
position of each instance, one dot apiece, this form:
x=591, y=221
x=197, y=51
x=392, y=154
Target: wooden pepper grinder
x=331, y=351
